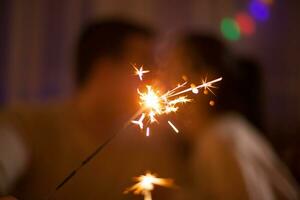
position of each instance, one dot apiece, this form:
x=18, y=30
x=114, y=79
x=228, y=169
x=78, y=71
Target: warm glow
x=145, y=184
x=154, y=104
x=150, y=100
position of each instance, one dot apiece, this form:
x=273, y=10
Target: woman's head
x=206, y=53
x=201, y=55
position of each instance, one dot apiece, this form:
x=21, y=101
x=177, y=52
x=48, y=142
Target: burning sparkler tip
x=155, y=104
x=145, y=184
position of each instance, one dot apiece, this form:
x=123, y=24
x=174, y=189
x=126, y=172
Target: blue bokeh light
x=259, y=10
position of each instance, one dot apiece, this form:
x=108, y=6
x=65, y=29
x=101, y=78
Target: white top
x=262, y=171
x=13, y=158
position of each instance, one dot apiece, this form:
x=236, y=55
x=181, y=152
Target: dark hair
x=240, y=88
x=208, y=54
x=250, y=89
x=103, y=39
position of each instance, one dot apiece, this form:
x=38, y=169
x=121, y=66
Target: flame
x=150, y=100
x=154, y=104
x=145, y=184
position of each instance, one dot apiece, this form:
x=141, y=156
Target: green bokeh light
x=230, y=29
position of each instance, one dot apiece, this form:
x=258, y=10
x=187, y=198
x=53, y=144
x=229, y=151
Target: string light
x=245, y=23
x=230, y=29
x=259, y=11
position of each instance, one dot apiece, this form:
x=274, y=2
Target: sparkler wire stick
x=90, y=157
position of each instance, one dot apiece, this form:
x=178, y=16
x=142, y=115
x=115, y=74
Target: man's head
x=111, y=41
x=104, y=54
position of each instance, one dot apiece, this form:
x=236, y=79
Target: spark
x=207, y=86
x=173, y=126
x=152, y=117
x=145, y=185
x=194, y=89
x=154, y=104
x=139, y=72
x=140, y=121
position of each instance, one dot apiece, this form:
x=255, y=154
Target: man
x=38, y=147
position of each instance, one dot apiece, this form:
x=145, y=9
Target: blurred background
x=37, y=38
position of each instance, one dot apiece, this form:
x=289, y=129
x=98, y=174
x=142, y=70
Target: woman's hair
x=210, y=56
x=236, y=92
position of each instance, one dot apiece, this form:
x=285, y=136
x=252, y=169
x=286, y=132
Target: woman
x=229, y=159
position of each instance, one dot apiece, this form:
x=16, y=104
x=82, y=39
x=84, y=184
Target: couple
x=220, y=155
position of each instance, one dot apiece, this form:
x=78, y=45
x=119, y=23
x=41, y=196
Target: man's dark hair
x=104, y=38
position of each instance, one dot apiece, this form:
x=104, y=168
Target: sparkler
x=89, y=158
x=145, y=184
x=154, y=104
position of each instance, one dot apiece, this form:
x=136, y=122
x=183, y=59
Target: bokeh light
x=245, y=23
x=259, y=10
x=230, y=29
